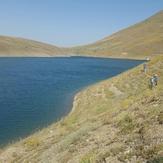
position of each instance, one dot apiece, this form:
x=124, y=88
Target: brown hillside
x=140, y=40
x=12, y=46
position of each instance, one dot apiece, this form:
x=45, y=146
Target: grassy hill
x=116, y=120
x=140, y=40
x=12, y=46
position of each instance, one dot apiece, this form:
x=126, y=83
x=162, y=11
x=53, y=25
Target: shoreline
x=74, y=55
x=76, y=95
x=86, y=118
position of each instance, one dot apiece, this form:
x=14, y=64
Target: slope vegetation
x=114, y=121
x=140, y=40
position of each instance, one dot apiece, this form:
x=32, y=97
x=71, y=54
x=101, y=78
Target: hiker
x=152, y=82
x=155, y=76
x=145, y=67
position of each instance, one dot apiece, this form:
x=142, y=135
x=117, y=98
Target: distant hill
x=12, y=46
x=140, y=40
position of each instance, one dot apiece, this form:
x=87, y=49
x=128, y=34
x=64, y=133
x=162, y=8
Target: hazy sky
x=71, y=22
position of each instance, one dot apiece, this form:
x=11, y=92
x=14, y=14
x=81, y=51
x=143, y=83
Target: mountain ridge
x=145, y=37
x=15, y=46
x=137, y=41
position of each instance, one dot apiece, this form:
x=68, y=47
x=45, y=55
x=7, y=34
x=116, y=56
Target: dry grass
x=138, y=41
x=12, y=46
x=122, y=127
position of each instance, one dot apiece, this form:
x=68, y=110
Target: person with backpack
x=155, y=76
x=152, y=82
x=145, y=67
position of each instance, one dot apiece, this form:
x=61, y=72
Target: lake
x=35, y=92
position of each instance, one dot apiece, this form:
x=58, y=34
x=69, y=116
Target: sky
x=72, y=22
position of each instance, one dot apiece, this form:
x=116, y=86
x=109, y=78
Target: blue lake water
x=34, y=92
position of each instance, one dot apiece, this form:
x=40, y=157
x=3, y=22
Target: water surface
x=34, y=92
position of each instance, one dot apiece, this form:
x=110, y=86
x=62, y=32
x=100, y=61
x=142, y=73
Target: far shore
x=74, y=55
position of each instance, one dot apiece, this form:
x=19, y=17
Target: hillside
x=116, y=120
x=12, y=46
x=138, y=41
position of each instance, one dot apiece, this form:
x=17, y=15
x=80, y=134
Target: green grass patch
x=126, y=124
x=89, y=158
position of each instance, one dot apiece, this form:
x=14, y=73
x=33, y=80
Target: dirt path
x=115, y=90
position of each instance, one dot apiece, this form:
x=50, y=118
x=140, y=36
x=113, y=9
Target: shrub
x=32, y=142
x=160, y=118
x=88, y=158
x=126, y=124
x=156, y=160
